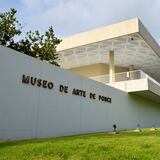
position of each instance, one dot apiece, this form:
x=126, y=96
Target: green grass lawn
x=127, y=145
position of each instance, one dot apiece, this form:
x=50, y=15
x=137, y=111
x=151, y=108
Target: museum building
x=109, y=75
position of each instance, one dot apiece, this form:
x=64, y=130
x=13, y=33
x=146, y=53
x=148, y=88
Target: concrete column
x=111, y=67
x=131, y=74
x=131, y=67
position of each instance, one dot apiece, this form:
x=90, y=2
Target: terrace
x=133, y=82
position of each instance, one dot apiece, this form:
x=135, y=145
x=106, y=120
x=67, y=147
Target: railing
x=153, y=80
x=124, y=76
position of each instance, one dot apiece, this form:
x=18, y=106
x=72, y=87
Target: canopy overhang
x=130, y=40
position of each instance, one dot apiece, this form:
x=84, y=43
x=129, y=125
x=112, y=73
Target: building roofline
x=124, y=28
x=148, y=38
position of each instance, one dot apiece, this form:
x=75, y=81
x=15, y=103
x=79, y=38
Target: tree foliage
x=9, y=27
x=42, y=46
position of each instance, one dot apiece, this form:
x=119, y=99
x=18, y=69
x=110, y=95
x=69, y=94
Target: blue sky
x=72, y=16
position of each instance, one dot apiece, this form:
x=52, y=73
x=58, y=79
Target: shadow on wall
x=144, y=97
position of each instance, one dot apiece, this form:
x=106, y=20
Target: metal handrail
x=124, y=76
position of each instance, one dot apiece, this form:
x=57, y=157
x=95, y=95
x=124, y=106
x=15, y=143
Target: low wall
x=29, y=108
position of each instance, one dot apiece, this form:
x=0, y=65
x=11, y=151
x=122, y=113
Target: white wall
x=28, y=111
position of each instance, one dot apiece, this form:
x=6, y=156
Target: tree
x=42, y=46
x=9, y=28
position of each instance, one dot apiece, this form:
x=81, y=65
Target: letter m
x=25, y=79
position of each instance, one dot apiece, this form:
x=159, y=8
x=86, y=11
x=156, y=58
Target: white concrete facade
x=28, y=111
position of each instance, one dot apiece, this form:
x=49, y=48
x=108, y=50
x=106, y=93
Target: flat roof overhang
x=132, y=43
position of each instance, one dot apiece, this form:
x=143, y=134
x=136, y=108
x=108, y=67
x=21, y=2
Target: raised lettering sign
x=63, y=89
x=37, y=82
